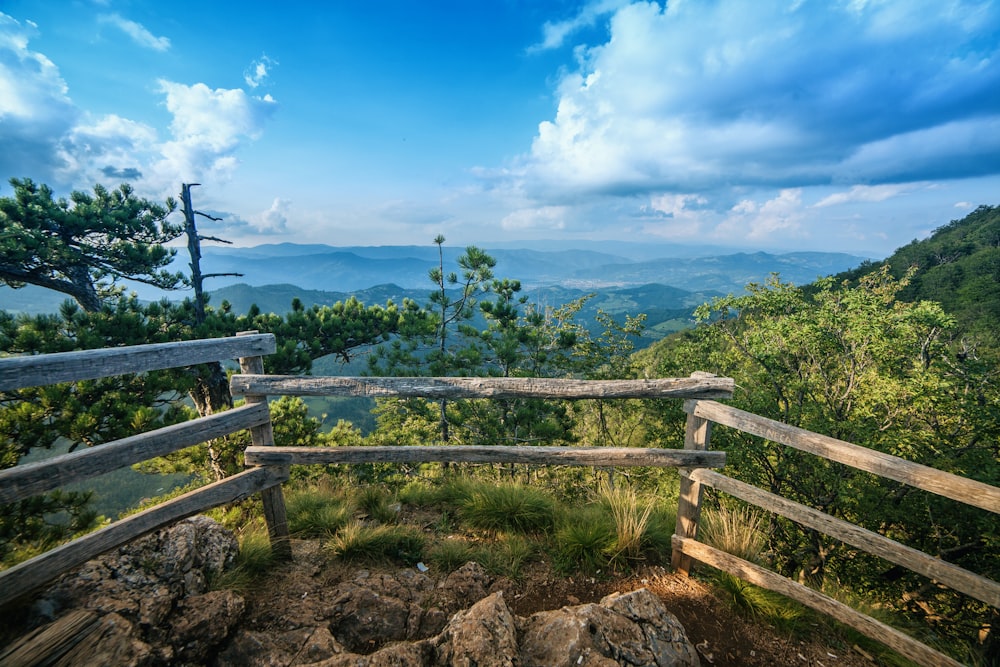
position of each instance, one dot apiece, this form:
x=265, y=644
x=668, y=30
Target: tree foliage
x=82, y=246
x=855, y=363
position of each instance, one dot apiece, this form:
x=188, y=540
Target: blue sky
x=853, y=125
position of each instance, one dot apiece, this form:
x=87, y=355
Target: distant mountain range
x=627, y=278
x=347, y=269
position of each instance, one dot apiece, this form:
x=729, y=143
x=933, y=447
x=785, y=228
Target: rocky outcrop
x=148, y=604
x=148, y=601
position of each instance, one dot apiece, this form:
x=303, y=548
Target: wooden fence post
x=697, y=434
x=273, y=498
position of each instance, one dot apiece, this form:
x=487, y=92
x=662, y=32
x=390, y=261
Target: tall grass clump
x=377, y=503
x=584, y=540
x=737, y=530
x=358, y=542
x=317, y=511
x=507, y=555
x=254, y=558
x=450, y=554
x=508, y=507
x=631, y=515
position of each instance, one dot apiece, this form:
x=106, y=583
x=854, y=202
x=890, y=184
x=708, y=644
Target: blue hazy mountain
x=612, y=267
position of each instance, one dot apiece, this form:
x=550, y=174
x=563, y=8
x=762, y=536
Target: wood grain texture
x=273, y=499
x=574, y=456
x=31, y=574
x=45, y=369
x=33, y=478
x=894, y=639
x=454, y=387
x=941, y=571
x=945, y=484
x=697, y=436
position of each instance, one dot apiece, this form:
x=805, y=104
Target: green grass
x=507, y=555
x=508, y=507
x=358, y=542
x=254, y=558
x=317, y=511
x=583, y=541
x=448, y=555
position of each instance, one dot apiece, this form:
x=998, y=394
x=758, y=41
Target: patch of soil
x=295, y=594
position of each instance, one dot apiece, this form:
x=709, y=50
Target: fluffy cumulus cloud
x=45, y=135
x=727, y=96
x=35, y=108
x=695, y=94
x=275, y=219
x=208, y=127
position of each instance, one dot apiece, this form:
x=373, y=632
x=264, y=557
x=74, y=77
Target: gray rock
x=632, y=629
x=483, y=636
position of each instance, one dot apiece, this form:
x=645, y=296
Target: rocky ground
x=149, y=603
x=723, y=637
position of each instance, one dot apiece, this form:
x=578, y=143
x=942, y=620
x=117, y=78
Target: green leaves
x=82, y=246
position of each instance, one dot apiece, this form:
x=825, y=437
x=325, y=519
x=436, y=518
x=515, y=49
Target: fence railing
x=269, y=464
x=703, y=414
x=31, y=479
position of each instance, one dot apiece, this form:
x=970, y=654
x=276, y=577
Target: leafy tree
x=857, y=364
x=77, y=246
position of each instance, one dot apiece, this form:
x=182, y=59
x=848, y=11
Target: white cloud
x=208, y=127
x=35, y=107
x=866, y=193
x=139, y=34
x=546, y=217
x=275, y=219
x=555, y=33
x=258, y=71
x=699, y=96
x=774, y=220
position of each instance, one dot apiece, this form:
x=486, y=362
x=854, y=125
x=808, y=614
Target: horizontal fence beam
x=33, y=478
x=962, y=489
x=901, y=643
x=574, y=456
x=949, y=574
x=45, y=369
x=31, y=574
x=456, y=387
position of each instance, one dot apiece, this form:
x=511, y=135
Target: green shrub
x=511, y=507
x=450, y=554
x=357, y=542
x=584, y=540
x=317, y=511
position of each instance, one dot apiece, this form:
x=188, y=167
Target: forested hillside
x=958, y=266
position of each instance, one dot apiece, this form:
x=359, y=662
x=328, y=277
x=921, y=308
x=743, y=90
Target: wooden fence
x=269, y=464
x=30, y=479
x=702, y=414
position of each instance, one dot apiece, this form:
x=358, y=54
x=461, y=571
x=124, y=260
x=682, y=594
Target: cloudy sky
x=853, y=125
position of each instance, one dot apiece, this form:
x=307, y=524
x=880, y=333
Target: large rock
x=483, y=636
x=624, y=629
x=150, y=598
x=631, y=629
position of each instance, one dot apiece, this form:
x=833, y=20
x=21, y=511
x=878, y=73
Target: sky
x=831, y=125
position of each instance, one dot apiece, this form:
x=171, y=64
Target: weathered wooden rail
x=269, y=464
x=31, y=479
x=702, y=414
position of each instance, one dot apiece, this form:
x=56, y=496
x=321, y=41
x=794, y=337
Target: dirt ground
x=724, y=637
